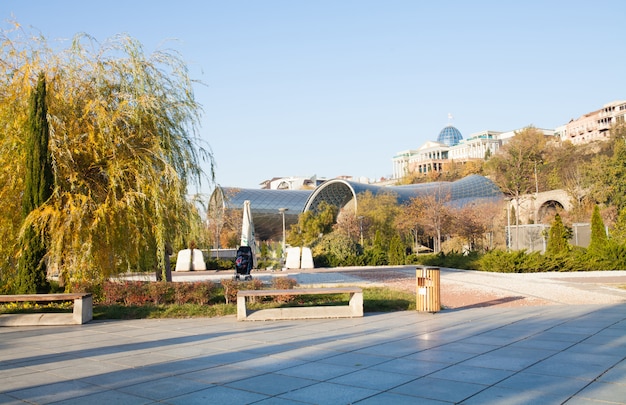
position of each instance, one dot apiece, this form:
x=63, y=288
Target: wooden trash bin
x=427, y=289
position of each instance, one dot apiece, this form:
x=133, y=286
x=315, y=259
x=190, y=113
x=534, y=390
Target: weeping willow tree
x=125, y=147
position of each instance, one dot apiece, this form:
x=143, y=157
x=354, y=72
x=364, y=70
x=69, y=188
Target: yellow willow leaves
x=124, y=141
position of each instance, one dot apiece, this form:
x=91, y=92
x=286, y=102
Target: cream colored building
x=593, y=126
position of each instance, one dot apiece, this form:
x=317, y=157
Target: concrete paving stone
x=325, y=393
x=584, y=401
x=606, y=348
x=616, y=336
x=374, y=379
x=318, y=371
x=49, y=393
x=464, y=347
x=442, y=355
x=491, y=340
x=441, y=390
x=603, y=391
x=26, y=381
x=141, y=359
x=221, y=374
x=590, y=358
x=410, y=367
x=45, y=363
x=269, y=363
x=582, y=371
x=191, y=351
x=123, y=377
x=217, y=395
x=179, y=366
x=306, y=353
x=106, y=398
x=228, y=357
x=502, y=361
x=556, y=385
x=478, y=375
x=279, y=401
x=400, y=348
x=563, y=337
x=355, y=359
x=164, y=388
x=507, y=396
x=540, y=343
x=616, y=374
x=8, y=400
x=398, y=399
x=27, y=355
x=271, y=384
x=86, y=368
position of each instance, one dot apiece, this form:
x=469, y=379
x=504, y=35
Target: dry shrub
x=231, y=287
x=284, y=283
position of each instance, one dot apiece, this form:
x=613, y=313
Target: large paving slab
x=553, y=354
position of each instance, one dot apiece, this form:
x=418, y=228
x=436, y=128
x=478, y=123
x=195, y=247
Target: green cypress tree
x=598, y=232
x=397, y=252
x=557, y=238
x=39, y=183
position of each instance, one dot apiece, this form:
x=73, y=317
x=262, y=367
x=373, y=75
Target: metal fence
x=534, y=237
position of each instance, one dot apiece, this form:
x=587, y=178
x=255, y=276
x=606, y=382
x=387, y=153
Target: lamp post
x=282, y=212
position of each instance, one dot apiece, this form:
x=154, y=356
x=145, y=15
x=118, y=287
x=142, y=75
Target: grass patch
x=162, y=311
x=379, y=299
x=383, y=299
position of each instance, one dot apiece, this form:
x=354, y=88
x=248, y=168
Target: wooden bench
x=82, y=312
x=353, y=309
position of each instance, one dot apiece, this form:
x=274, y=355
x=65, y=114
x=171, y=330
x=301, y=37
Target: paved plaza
x=554, y=354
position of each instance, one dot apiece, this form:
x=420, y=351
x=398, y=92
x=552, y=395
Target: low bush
x=231, y=287
x=138, y=293
x=284, y=283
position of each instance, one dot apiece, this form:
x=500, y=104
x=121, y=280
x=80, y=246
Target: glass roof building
x=264, y=204
x=450, y=136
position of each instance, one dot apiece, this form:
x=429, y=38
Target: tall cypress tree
x=557, y=238
x=39, y=183
x=598, y=232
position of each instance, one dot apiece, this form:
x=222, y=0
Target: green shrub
x=451, y=260
x=502, y=262
x=225, y=264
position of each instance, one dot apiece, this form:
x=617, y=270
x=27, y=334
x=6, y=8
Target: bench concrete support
x=82, y=312
x=353, y=309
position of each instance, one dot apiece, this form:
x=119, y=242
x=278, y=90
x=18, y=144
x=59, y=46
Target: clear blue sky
x=337, y=87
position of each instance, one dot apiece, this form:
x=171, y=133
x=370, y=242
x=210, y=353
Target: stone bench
x=82, y=312
x=353, y=309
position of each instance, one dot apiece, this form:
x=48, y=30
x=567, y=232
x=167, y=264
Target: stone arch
x=548, y=209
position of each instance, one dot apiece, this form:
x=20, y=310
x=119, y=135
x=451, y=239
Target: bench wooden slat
x=298, y=291
x=43, y=297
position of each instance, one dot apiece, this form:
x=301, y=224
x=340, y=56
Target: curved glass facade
x=450, y=136
x=264, y=204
